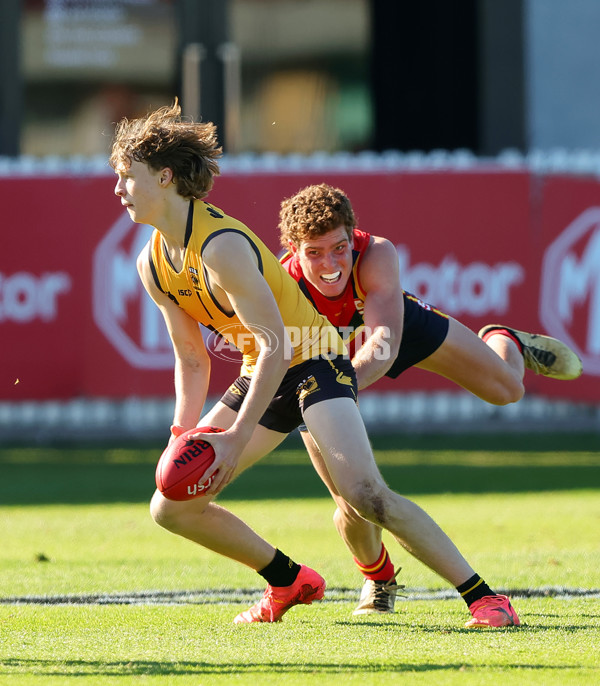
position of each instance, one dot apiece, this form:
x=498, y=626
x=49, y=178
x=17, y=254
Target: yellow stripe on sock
x=379, y=565
x=464, y=593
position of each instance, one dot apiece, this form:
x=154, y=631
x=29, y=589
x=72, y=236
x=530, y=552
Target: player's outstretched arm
x=383, y=313
x=192, y=363
x=234, y=275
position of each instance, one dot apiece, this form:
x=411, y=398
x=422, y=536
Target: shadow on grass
x=411, y=465
x=152, y=667
x=54, y=483
x=506, y=442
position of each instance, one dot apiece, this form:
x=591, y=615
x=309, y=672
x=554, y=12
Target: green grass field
x=93, y=592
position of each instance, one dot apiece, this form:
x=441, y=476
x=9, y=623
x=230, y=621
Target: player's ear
x=292, y=247
x=166, y=177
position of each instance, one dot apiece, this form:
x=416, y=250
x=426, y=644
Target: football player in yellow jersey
x=165, y=167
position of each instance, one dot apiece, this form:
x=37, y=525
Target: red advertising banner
x=484, y=247
x=569, y=298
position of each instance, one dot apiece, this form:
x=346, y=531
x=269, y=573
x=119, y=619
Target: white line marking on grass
x=227, y=596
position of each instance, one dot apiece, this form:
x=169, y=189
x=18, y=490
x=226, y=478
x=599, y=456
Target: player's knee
x=345, y=516
x=369, y=501
x=164, y=513
x=515, y=393
x=507, y=393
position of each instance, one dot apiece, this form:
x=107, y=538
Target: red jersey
x=346, y=311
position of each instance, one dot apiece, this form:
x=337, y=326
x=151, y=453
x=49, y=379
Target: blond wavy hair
x=164, y=139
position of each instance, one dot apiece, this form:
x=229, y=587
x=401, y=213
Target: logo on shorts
x=234, y=390
x=343, y=379
x=307, y=387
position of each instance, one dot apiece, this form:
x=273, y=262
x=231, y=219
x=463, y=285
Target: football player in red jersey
x=353, y=278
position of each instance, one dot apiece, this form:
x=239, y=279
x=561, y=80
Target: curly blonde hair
x=163, y=139
x=314, y=211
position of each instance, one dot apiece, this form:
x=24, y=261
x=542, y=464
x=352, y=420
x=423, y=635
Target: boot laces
x=537, y=360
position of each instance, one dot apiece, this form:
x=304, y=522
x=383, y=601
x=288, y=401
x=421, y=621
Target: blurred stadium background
x=467, y=132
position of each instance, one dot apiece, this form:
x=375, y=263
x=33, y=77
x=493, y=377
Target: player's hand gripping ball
x=182, y=464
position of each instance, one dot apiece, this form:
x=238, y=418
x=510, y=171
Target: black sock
x=473, y=589
x=281, y=571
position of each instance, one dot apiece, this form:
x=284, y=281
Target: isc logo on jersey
x=570, y=288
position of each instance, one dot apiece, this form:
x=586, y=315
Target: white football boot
x=543, y=354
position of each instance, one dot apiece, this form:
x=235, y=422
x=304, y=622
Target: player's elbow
x=278, y=348
x=387, y=345
x=192, y=357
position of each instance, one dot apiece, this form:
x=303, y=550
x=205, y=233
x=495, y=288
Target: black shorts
x=425, y=329
x=304, y=385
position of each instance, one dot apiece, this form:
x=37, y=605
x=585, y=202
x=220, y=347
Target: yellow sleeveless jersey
x=311, y=333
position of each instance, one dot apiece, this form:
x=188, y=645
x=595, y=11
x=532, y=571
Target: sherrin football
x=182, y=464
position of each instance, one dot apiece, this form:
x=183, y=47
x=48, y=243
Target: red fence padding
x=506, y=247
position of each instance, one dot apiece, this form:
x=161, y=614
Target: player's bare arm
x=192, y=363
x=383, y=314
x=240, y=287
